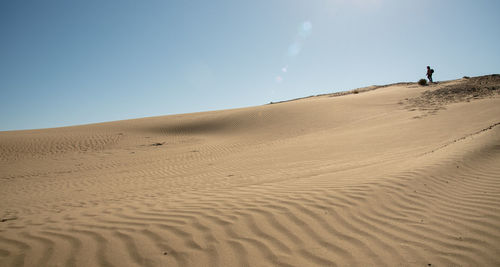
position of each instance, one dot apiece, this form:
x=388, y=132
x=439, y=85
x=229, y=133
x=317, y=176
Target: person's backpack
x=432, y=71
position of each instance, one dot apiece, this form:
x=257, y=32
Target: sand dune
x=398, y=175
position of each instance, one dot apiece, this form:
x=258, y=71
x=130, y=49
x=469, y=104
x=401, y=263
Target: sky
x=76, y=62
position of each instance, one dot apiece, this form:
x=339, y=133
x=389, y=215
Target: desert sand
x=396, y=175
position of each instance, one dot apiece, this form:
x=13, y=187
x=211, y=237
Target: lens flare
x=303, y=31
x=307, y=26
x=294, y=49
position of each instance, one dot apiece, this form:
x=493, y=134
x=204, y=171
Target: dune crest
x=397, y=175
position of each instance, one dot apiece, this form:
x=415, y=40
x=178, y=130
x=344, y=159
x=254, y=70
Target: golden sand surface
x=398, y=175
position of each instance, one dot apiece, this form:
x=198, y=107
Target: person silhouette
x=429, y=73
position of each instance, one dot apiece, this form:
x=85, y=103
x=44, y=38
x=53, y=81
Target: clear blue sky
x=74, y=62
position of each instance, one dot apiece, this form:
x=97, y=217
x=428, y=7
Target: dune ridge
x=397, y=175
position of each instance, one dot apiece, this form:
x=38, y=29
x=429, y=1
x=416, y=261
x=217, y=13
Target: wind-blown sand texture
x=399, y=175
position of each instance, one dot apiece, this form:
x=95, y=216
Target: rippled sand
x=384, y=176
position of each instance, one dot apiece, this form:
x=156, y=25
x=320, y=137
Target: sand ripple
x=343, y=191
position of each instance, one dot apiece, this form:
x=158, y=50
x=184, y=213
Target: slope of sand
x=401, y=175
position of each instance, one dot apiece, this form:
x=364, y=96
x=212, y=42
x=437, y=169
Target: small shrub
x=355, y=92
x=422, y=82
x=466, y=77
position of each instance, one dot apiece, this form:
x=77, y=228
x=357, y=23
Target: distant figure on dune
x=429, y=73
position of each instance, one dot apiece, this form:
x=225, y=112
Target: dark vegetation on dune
x=469, y=89
x=472, y=88
x=422, y=82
